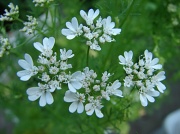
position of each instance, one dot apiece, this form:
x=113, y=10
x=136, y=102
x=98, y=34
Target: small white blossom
x=114, y=89
x=29, y=68
x=147, y=95
x=41, y=3
x=5, y=46
x=53, y=70
x=30, y=26
x=74, y=81
x=89, y=18
x=108, y=27
x=74, y=29
x=94, y=106
x=11, y=14
x=77, y=100
x=151, y=63
x=46, y=48
x=45, y=77
x=127, y=59
x=64, y=55
x=43, y=92
x=157, y=81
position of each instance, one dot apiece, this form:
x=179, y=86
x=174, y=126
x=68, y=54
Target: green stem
x=87, y=58
x=19, y=20
x=128, y=12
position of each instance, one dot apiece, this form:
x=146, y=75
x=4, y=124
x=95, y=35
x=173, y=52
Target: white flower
x=114, y=89
x=46, y=48
x=108, y=27
x=65, y=54
x=94, y=45
x=43, y=92
x=157, y=81
x=29, y=68
x=96, y=106
x=151, y=63
x=74, y=81
x=54, y=84
x=74, y=29
x=128, y=81
x=147, y=95
x=77, y=100
x=127, y=59
x=89, y=18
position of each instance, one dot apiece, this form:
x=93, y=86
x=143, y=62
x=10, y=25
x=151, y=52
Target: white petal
x=34, y=97
x=161, y=87
x=38, y=46
x=33, y=90
x=28, y=58
x=69, y=25
x=150, y=98
x=73, y=107
x=74, y=23
x=118, y=93
x=71, y=88
x=25, y=77
x=116, y=31
x=70, y=97
x=67, y=32
x=98, y=113
x=158, y=66
x=69, y=37
x=42, y=101
x=116, y=84
x=51, y=42
x=96, y=13
x=83, y=14
x=89, y=109
x=76, y=84
x=143, y=100
x=80, y=107
x=24, y=64
x=153, y=93
x=122, y=59
x=49, y=98
x=23, y=73
x=45, y=42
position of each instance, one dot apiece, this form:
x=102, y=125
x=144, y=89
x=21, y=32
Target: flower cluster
x=10, y=15
x=84, y=87
x=92, y=92
x=5, y=46
x=95, y=32
x=144, y=75
x=50, y=72
x=41, y=3
x=30, y=26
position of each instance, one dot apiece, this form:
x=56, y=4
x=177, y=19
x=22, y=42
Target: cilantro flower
x=127, y=59
x=108, y=27
x=64, y=55
x=157, y=81
x=29, y=68
x=43, y=92
x=94, y=106
x=46, y=48
x=74, y=81
x=151, y=63
x=89, y=18
x=114, y=89
x=74, y=29
x=147, y=95
x=77, y=100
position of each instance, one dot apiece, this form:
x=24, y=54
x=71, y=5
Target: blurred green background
x=145, y=24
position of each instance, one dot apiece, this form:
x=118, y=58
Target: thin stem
x=128, y=12
x=87, y=58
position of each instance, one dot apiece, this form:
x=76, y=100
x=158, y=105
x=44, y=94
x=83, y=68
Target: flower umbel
x=143, y=75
